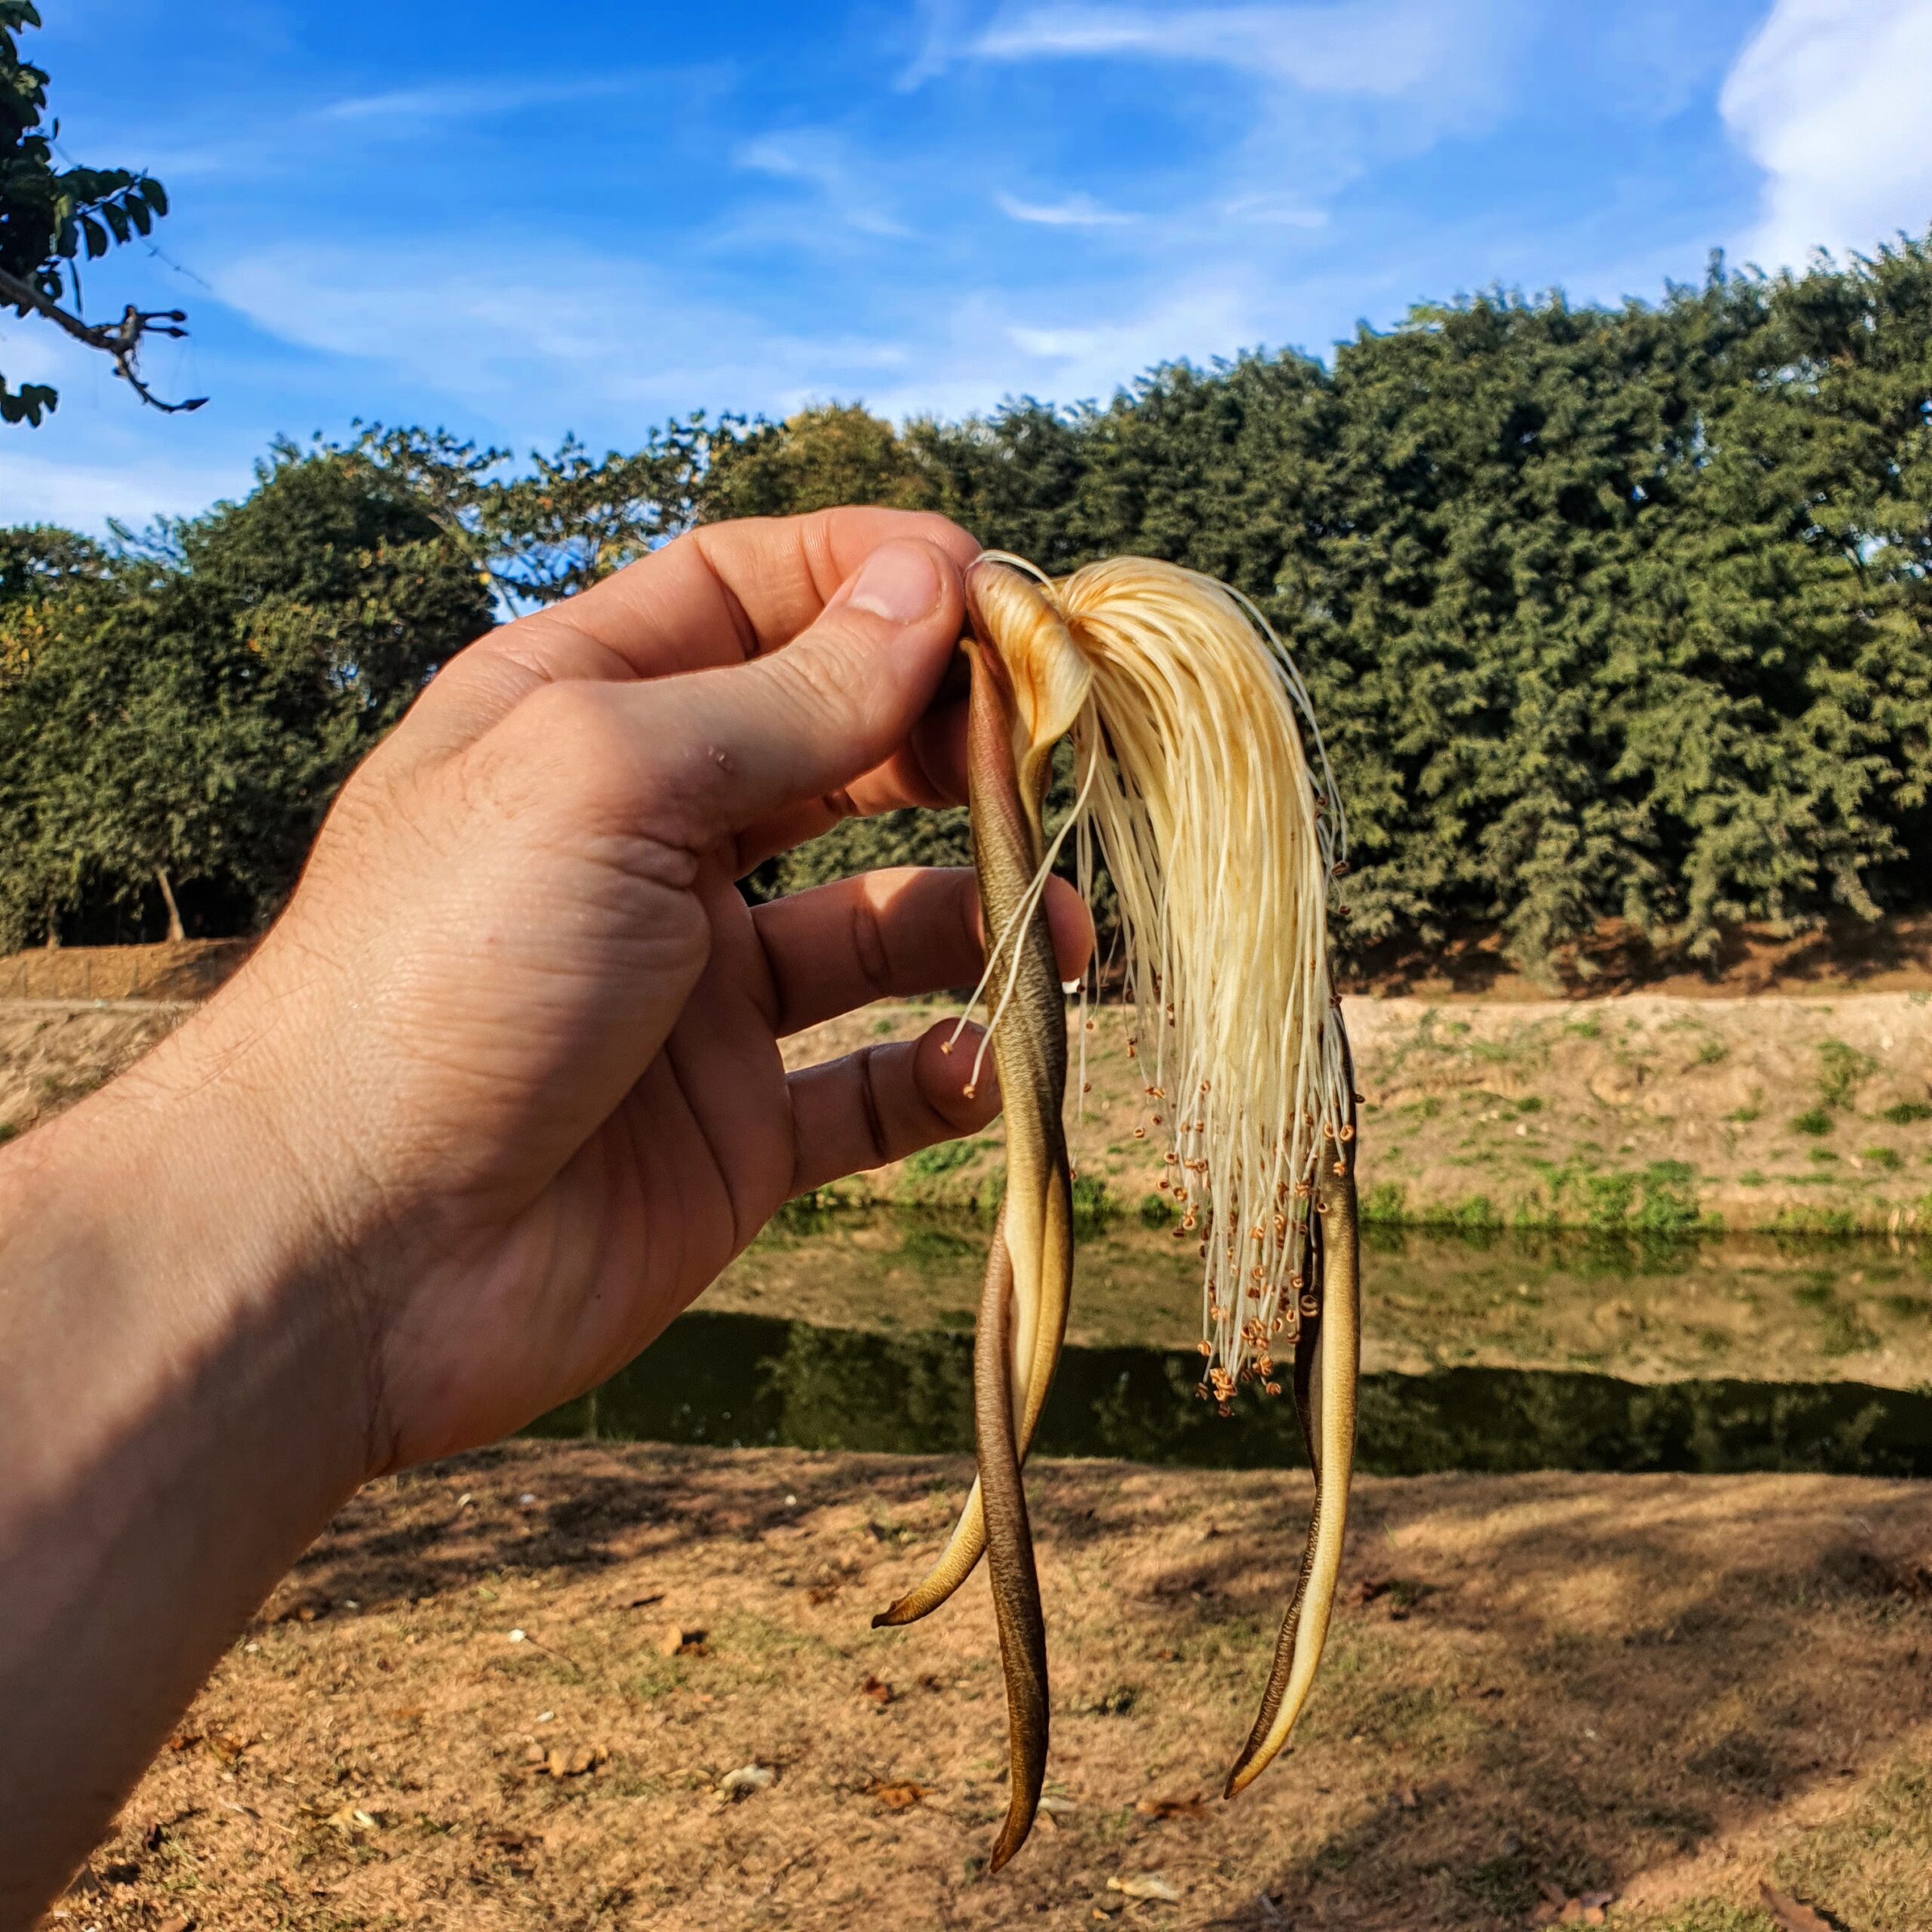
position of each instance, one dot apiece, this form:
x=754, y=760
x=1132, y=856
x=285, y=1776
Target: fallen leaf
x=410, y=1713
x=184, y=1740
x=228, y=1748
x=1172, y=1807
x=900, y=1796
x=745, y=1779
x=1146, y=1885
x=1791, y=1915
x=877, y=1689
x=177, y=1923
x=352, y=1818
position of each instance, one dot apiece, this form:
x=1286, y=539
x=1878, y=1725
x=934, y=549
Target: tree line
x=1609, y=614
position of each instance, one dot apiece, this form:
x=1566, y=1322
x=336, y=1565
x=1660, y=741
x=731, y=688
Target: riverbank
x=1644, y=1113
x=1544, y=1694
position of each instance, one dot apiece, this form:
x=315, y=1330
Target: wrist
x=168, y=1223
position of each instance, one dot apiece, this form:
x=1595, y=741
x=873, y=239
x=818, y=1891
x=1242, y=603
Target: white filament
x=1217, y=834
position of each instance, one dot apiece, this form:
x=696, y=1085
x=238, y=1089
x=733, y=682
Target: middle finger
x=891, y=935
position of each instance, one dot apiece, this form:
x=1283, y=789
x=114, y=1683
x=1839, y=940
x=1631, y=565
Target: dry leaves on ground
x=1791, y=1915
x=1146, y=1885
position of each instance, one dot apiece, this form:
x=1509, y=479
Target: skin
x=494, y=1101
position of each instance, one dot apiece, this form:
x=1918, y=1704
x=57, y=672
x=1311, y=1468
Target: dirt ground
x=582, y=1685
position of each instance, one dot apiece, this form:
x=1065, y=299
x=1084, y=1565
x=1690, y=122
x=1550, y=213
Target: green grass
x=1889, y=1158
x=1813, y=1120
x=1841, y=1069
x=1907, y=1113
x=1093, y=1207
x=930, y=1162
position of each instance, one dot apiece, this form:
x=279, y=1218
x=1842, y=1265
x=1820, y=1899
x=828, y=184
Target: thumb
x=744, y=741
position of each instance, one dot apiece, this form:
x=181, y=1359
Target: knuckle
x=569, y=746
x=870, y=946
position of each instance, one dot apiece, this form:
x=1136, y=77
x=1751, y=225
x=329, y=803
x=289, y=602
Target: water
x=1505, y=1353
x=746, y=1379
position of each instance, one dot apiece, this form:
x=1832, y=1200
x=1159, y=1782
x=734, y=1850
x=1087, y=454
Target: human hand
x=517, y=1032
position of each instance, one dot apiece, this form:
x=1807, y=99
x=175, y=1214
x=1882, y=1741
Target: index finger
x=721, y=594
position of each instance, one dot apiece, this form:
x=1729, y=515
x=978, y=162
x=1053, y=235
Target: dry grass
x=1541, y=1689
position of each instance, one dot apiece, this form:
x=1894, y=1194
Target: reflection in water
x=749, y=1379
x=1756, y=1308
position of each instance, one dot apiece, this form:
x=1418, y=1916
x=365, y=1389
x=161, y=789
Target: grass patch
x=1386, y=1201
x=1907, y=1113
x=1093, y=1207
x=1710, y=1051
x=947, y=1157
x=1841, y=1070
x=1156, y=1210
x=1888, y=1158
x=1813, y=1120
x=8, y=1131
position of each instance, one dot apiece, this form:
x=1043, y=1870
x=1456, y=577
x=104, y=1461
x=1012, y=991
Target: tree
x=174, y=727
x=51, y=216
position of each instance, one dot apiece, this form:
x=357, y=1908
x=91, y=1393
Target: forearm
x=187, y=1404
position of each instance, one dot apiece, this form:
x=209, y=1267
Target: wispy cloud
x=1391, y=46
x=1074, y=211
x=473, y=100
x=819, y=161
x=1829, y=99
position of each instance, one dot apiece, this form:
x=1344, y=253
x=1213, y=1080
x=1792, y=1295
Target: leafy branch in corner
x=50, y=218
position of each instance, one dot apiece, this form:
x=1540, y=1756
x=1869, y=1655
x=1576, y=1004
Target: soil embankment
x=1653, y=1112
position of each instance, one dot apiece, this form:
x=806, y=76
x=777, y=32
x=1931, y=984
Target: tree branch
x=121, y=341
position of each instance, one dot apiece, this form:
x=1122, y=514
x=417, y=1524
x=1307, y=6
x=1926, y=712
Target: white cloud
x=818, y=161
x=1831, y=99
x=600, y=342
x=468, y=100
x=1075, y=211
x=1389, y=47
x=40, y=489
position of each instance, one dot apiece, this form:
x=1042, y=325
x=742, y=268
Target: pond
x=845, y=1331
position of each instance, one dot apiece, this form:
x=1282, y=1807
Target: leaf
x=1791, y=1916
x=900, y=1795
x=878, y=1689
x=1146, y=1885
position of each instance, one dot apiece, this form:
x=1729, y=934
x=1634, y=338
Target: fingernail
x=899, y=582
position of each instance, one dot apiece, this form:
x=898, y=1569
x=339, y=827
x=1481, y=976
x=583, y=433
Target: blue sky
x=516, y=222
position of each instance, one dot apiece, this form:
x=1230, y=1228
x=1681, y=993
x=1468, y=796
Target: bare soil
x=1634, y=1696
x=1647, y=1112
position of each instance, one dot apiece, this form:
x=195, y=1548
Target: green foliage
x=1094, y=1208
x=175, y=719
x=1609, y=615
x=1813, y=1120
x=52, y=217
x=1907, y=1113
